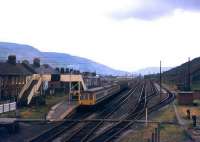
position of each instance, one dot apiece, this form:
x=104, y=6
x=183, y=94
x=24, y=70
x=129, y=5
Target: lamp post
x=70, y=86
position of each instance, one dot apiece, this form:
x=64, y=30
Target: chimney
x=71, y=70
x=67, y=70
x=12, y=59
x=36, y=62
x=62, y=70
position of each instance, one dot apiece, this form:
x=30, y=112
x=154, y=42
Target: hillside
x=54, y=59
x=179, y=74
x=151, y=70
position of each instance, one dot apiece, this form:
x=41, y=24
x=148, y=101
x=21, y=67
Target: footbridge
x=34, y=84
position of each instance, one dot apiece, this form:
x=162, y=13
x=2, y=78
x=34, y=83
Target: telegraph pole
x=160, y=78
x=146, y=110
x=188, y=84
x=146, y=116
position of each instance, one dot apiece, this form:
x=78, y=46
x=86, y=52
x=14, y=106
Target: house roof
x=13, y=69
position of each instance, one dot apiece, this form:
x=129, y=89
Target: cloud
x=83, y=28
x=153, y=9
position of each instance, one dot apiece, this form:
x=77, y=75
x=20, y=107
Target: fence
x=7, y=107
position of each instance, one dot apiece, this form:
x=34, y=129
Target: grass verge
x=168, y=133
x=38, y=112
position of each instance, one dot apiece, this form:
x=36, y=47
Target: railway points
x=110, y=134
x=85, y=130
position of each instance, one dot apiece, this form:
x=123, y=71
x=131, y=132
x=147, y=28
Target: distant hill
x=151, y=70
x=54, y=59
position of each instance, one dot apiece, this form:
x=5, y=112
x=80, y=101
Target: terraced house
x=13, y=76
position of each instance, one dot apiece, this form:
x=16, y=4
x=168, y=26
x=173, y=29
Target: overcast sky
x=123, y=34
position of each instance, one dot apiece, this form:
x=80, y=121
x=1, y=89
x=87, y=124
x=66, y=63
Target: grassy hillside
x=178, y=75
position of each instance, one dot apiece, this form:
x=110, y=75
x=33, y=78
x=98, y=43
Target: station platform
x=59, y=111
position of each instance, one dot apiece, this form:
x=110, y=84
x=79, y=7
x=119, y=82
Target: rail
x=82, y=133
x=54, y=132
x=110, y=133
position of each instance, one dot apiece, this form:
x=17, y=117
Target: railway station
x=99, y=71
x=93, y=108
x=90, y=100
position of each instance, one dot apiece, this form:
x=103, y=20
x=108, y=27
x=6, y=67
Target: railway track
x=58, y=130
x=86, y=132
x=111, y=133
x=83, y=133
x=53, y=132
x=118, y=126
